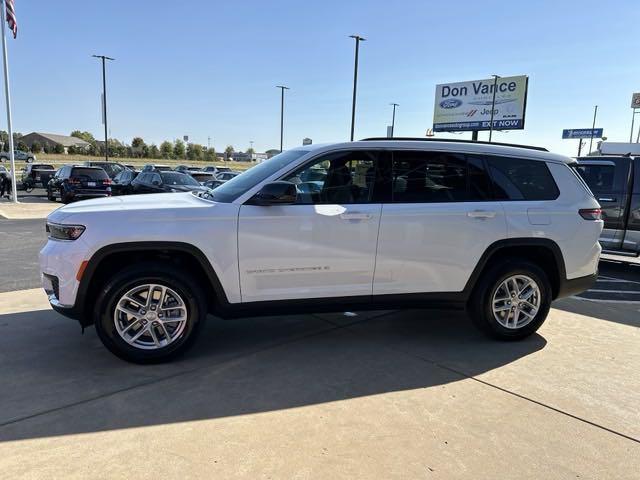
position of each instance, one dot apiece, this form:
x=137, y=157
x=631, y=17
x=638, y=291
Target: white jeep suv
x=499, y=230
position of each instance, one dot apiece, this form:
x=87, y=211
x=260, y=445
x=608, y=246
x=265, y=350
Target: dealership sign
x=466, y=106
x=582, y=133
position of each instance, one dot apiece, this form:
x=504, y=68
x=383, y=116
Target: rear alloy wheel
x=150, y=313
x=512, y=300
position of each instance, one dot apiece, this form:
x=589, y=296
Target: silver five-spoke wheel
x=516, y=301
x=150, y=316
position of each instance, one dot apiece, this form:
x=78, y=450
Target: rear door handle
x=607, y=199
x=481, y=214
x=355, y=216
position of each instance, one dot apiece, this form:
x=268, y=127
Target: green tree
x=36, y=147
x=58, y=148
x=210, y=154
x=178, y=149
x=250, y=151
x=137, y=142
x=72, y=150
x=270, y=153
x=228, y=152
x=154, y=152
x=22, y=146
x=166, y=149
x=86, y=136
x=194, y=151
x=145, y=151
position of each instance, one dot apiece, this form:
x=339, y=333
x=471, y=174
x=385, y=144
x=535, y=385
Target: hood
x=130, y=204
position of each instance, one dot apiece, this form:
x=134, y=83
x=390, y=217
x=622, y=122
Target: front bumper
x=59, y=264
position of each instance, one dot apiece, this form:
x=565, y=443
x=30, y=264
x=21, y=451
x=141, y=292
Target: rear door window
x=521, y=179
x=435, y=177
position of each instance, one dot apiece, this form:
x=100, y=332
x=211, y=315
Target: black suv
x=74, y=182
x=111, y=168
x=159, y=182
x=121, y=184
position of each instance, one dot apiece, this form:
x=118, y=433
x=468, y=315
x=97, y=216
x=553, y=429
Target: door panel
x=307, y=251
x=434, y=247
x=325, y=244
x=441, y=220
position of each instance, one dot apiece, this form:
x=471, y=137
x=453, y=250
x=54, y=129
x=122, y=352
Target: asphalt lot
x=415, y=394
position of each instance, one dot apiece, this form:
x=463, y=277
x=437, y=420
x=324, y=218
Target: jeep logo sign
x=455, y=101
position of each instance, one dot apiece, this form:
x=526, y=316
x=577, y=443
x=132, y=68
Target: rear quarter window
x=521, y=179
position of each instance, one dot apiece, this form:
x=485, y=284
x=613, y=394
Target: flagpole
x=14, y=189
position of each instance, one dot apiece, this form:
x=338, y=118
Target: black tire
x=480, y=306
x=64, y=198
x=140, y=274
x=50, y=196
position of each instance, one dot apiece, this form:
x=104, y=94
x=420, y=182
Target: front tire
x=512, y=300
x=150, y=313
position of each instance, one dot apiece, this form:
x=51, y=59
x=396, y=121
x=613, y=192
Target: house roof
x=63, y=140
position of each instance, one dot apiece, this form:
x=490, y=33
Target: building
x=52, y=139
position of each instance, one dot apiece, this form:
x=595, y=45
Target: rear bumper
x=576, y=285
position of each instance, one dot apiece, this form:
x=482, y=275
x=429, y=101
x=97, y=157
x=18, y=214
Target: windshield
x=239, y=184
x=176, y=178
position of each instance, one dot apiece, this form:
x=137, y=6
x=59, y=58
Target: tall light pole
x=358, y=39
x=493, y=103
x=393, y=118
x=282, y=89
x=104, y=104
x=595, y=113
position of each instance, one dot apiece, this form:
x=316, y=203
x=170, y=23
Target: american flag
x=11, y=17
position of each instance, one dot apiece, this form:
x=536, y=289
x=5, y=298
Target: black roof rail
x=453, y=140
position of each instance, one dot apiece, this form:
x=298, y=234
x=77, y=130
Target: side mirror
x=275, y=193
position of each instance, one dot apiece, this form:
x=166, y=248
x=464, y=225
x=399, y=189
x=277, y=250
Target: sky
x=210, y=68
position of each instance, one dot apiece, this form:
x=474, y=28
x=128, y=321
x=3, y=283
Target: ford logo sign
x=451, y=103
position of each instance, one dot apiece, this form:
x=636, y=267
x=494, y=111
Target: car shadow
x=57, y=382
x=615, y=297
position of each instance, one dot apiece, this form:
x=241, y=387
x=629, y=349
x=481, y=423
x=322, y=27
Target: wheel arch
x=112, y=258
x=543, y=252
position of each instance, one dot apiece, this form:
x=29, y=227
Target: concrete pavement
x=418, y=394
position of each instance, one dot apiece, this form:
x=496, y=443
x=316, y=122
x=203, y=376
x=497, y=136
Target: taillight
x=590, y=213
x=106, y=181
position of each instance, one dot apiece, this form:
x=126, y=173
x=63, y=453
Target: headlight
x=64, y=232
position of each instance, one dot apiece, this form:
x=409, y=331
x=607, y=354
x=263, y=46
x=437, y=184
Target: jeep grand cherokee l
x=498, y=230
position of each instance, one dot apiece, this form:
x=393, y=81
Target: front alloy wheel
x=150, y=312
x=150, y=316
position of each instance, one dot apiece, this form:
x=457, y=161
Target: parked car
x=121, y=184
x=18, y=155
x=150, y=167
x=615, y=182
x=187, y=169
x=111, y=168
x=213, y=183
x=202, y=177
x=75, y=182
x=225, y=176
x=215, y=169
x=501, y=230
x=159, y=182
x=36, y=173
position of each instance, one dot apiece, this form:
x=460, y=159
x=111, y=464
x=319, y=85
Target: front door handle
x=355, y=216
x=481, y=214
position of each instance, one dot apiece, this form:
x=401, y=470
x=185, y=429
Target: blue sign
x=582, y=133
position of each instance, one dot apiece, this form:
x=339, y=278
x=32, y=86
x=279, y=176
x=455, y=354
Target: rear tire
x=166, y=321
x=512, y=300
x=50, y=196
